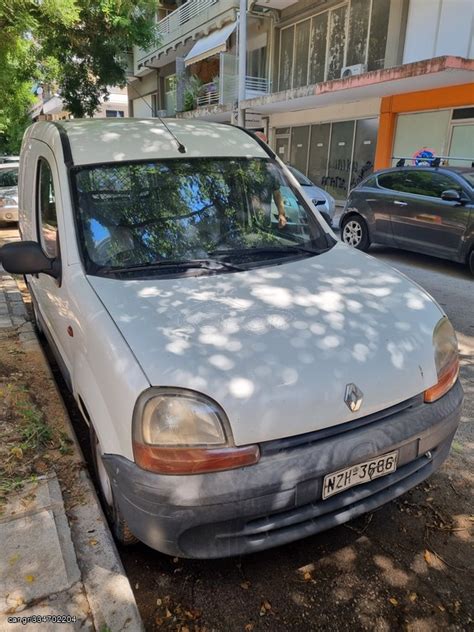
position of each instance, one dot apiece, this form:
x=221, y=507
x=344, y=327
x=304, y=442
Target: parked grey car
x=324, y=202
x=424, y=209
x=8, y=192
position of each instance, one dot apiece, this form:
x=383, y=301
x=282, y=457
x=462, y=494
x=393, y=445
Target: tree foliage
x=78, y=45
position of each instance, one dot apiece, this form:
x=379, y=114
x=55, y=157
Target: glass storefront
x=425, y=135
x=336, y=156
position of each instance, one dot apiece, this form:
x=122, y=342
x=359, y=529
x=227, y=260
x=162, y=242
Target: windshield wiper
x=263, y=250
x=178, y=264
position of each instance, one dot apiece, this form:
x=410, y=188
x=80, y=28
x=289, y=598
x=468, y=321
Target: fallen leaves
x=393, y=601
x=265, y=608
x=245, y=585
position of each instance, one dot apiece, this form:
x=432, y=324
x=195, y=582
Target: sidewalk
x=57, y=556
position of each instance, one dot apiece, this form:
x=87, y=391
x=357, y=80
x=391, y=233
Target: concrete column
x=180, y=83
x=397, y=23
x=242, y=60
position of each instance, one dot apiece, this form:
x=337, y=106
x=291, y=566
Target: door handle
x=398, y=203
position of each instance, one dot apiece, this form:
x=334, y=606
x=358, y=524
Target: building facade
x=339, y=87
x=50, y=107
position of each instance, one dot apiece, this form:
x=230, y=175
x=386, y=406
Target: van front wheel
x=117, y=522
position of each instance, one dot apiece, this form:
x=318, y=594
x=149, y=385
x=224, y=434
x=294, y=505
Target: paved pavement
x=57, y=558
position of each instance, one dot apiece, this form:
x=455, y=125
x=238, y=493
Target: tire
x=354, y=232
x=118, y=525
x=470, y=261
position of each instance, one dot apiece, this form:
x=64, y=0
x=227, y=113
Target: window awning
x=210, y=45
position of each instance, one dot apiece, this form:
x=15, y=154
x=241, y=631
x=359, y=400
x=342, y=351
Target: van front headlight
x=178, y=431
x=446, y=360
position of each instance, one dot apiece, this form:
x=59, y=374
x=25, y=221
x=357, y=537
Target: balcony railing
x=187, y=11
x=224, y=91
x=189, y=21
x=210, y=94
x=256, y=86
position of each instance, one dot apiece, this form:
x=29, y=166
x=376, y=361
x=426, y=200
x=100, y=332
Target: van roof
x=93, y=141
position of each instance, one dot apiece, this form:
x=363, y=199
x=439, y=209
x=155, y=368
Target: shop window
x=318, y=153
x=463, y=113
x=340, y=154
x=299, y=147
x=421, y=131
x=364, y=150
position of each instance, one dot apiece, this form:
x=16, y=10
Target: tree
x=78, y=45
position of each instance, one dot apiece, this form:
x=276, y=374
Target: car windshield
x=302, y=179
x=136, y=215
x=9, y=177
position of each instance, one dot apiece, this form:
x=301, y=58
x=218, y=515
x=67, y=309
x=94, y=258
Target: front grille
x=306, y=439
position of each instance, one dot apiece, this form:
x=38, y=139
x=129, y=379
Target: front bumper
x=279, y=500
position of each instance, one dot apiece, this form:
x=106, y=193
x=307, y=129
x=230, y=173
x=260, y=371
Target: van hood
x=276, y=346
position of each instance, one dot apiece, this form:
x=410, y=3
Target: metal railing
x=183, y=14
x=210, y=94
x=225, y=91
x=255, y=86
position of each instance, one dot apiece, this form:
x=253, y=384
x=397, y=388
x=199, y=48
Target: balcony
x=224, y=90
x=190, y=21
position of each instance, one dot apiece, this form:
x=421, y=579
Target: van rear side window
x=47, y=209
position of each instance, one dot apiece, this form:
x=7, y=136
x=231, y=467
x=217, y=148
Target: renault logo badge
x=353, y=397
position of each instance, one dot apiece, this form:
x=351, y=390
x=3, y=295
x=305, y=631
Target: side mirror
x=450, y=195
x=27, y=257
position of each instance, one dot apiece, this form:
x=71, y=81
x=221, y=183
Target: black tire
x=118, y=525
x=470, y=261
x=354, y=232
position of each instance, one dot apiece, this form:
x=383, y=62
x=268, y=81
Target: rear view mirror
x=27, y=257
x=450, y=195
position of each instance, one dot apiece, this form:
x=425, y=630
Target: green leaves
x=77, y=46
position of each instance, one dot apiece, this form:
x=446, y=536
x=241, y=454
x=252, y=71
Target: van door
x=50, y=295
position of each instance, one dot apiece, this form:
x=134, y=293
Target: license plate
x=357, y=474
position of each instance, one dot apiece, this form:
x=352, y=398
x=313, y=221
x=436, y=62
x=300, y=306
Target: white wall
x=439, y=27
x=142, y=107
x=328, y=113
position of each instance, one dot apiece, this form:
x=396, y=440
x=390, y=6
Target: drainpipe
x=242, y=60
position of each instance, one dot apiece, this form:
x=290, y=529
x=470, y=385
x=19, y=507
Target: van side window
x=48, y=223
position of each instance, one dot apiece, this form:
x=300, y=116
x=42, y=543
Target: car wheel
x=117, y=522
x=470, y=261
x=354, y=232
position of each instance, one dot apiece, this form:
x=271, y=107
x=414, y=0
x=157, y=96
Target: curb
x=110, y=596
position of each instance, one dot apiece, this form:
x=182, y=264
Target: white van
x=247, y=382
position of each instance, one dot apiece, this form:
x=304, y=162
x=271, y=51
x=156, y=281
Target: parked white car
x=8, y=192
x=320, y=198
x=246, y=383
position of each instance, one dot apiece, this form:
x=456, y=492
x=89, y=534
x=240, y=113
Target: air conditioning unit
x=352, y=71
